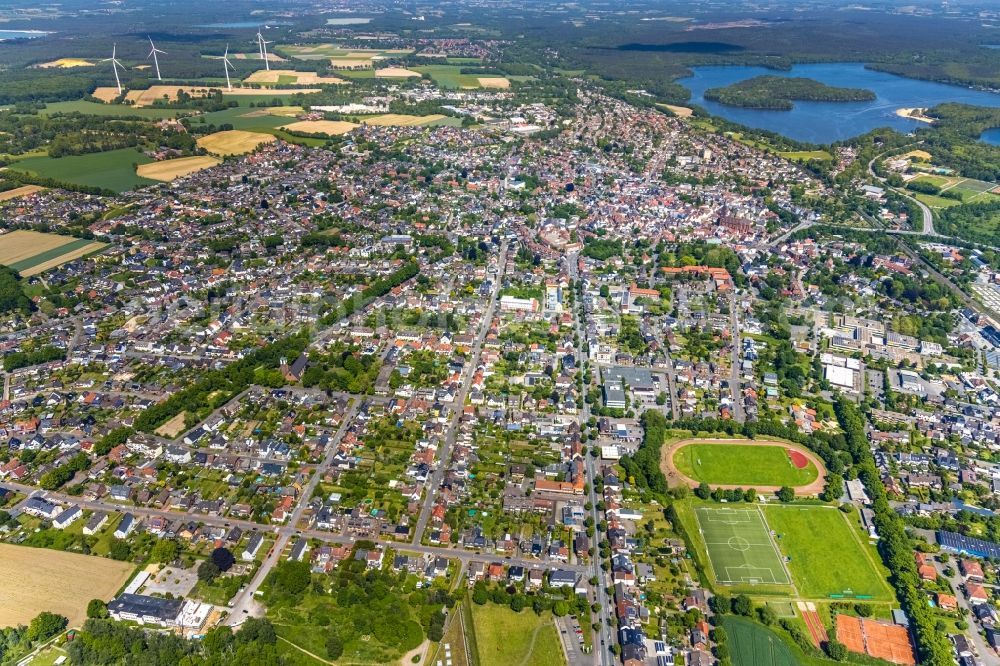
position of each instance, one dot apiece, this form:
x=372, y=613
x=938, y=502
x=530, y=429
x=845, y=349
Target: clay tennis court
x=890, y=642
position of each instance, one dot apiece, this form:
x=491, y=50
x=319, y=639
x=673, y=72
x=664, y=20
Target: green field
x=752, y=644
x=112, y=169
x=741, y=465
x=739, y=546
x=506, y=638
x=934, y=201
x=98, y=109
x=252, y=120
x=449, y=76
x=825, y=553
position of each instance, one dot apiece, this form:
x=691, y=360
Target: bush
x=97, y=609
x=223, y=559
x=835, y=650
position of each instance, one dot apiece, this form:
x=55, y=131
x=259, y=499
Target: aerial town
x=534, y=370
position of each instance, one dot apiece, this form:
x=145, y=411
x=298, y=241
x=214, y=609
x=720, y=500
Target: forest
x=105, y=642
x=778, y=93
x=12, y=296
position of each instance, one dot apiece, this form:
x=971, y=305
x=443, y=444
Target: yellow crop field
x=37, y=580
x=233, y=142
x=401, y=120
x=291, y=76
x=167, y=170
x=20, y=245
x=329, y=127
x=66, y=63
x=106, y=94
x=395, y=73
x=22, y=191
x=499, y=82
x=31, y=252
x=679, y=111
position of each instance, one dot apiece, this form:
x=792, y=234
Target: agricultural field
x=449, y=76
x=679, y=111
x=233, y=142
x=807, y=535
x=748, y=464
x=498, y=82
x=167, y=170
x=97, y=109
x=339, y=56
x=395, y=73
x=328, y=127
x=752, y=644
x=740, y=549
x=402, y=120
x=506, y=638
x=291, y=77
x=37, y=580
x=31, y=252
x=66, y=63
x=111, y=169
x=18, y=192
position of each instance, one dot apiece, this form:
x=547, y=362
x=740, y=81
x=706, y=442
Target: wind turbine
x=226, y=65
x=152, y=54
x=262, y=45
x=115, y=65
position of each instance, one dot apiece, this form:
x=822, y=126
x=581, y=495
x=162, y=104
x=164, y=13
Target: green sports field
x=741, y=464
x=739, y=546
x=112, y=169
x=825, y=553
x=754, y=645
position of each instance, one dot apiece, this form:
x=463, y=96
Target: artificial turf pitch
x=740, y=547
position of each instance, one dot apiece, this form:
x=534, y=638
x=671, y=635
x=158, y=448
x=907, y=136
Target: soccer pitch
x=740, y=547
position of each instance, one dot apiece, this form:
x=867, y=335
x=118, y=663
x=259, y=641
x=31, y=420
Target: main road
x=604, y=636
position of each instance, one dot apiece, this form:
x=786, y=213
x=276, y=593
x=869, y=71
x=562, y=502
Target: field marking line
x=708, y=552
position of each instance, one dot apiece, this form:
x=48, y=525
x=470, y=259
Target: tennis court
x=740, y=547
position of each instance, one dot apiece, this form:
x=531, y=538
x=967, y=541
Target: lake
x=22, y=34
x=991, y=136
x=826, y=122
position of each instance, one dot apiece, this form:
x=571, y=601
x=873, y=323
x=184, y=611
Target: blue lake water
x=991, y=136
x=21, y=34
x=826, y=122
